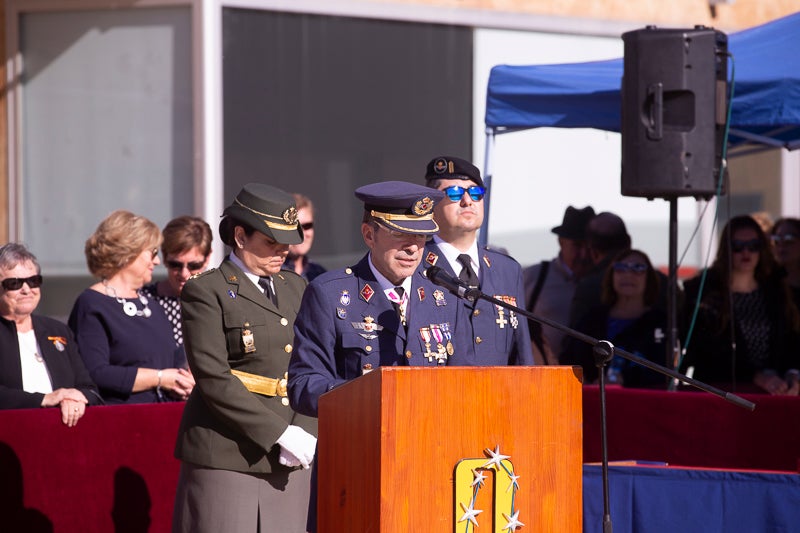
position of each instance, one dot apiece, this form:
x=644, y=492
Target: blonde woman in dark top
x=125, y=339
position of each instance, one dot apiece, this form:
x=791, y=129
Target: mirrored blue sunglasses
x=456, y=192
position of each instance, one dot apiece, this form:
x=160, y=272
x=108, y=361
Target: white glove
x=297, y=447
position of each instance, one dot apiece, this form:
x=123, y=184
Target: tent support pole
x=487, y=181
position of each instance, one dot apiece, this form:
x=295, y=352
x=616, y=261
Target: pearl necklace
x=129, y=308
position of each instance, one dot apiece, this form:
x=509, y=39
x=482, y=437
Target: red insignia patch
x=421, y=293
x=431, y=258
x=367, y=292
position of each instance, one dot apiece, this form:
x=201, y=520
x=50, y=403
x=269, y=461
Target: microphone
x=441, y=278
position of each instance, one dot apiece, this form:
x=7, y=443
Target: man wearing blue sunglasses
x=488, y=335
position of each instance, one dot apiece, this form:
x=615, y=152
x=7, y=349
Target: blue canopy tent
x=766, y=103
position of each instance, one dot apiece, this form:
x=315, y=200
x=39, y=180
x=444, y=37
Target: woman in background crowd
x=127, y=343
x=39, y=361
x=629, y=319
x=746, y=332
x=186, y=250
x=786, y=242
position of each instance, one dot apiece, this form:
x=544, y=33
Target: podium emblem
x=471, y=476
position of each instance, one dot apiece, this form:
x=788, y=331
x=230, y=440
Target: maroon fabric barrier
x=693, y=429
x=114, y=471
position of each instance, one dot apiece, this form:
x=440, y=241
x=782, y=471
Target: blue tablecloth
x=647, y=499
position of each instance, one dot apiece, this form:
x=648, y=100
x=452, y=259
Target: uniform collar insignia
x=431, y=258
x=367, y=292
x=487, y=261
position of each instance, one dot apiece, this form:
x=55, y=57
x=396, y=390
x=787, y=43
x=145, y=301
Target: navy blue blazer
x=60, y=354
x=346, y=327
x=487, y=334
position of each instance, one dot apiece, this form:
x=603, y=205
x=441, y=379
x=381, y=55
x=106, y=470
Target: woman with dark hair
x=40, y=365
x=186, y=250
x=629, y=319
x=126, y=342
x=240, y=444
x=746, y=332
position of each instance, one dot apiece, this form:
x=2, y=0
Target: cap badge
x=441, y=165
x=423, y=206
x=290, y=215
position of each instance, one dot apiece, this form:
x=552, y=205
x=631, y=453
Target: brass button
x=284, y=322
x=368, y=348
x=408, y=354
x=476, y=312
x=285, y=401
x=287, y=348
x=348, y=270
x=478, y=340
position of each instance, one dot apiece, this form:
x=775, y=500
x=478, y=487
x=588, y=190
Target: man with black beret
x=488, y=334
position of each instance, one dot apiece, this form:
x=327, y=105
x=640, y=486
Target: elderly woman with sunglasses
x=629, y=318
x=747, y=330
x=39, y=361
x=125, y=340
x=186, y=250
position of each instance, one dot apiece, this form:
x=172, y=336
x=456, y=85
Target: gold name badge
x=248, y=343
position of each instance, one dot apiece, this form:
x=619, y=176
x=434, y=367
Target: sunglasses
x=177, y=265
x=455, y=193
x=307, y=226
x=636, y=268
x=740, y=246
x=15, y=284
x=787, y=238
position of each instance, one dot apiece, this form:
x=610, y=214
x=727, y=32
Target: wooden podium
x=408, y=449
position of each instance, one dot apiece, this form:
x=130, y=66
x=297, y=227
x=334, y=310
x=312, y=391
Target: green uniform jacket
x=224, y=425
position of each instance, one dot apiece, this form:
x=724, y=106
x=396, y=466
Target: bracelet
x=158, y=386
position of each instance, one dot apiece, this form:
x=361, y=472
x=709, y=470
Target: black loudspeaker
x=674, y=98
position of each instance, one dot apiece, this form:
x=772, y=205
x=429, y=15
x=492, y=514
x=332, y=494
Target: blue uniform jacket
x=346, y=327
x=488, y=335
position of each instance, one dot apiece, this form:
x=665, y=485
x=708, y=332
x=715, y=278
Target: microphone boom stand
x=603, y=352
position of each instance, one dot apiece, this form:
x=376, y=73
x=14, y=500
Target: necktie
x=399, y=305
x=265, y=284
x=467, y=275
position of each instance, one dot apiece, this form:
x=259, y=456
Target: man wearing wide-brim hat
x=550, y=285
x=245, y=453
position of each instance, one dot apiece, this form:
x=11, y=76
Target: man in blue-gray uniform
x=487, y=334
x=382, y=311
